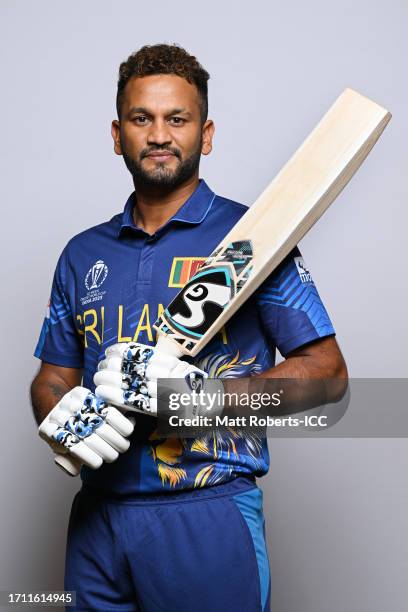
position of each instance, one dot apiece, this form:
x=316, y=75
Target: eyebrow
x=174, y=111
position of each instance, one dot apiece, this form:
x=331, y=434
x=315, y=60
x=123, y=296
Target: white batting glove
x=121, y=377
x=127, y=378
x=84, y=426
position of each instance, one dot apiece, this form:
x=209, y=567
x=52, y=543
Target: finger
x=113, y=440
x=61, y=418
x=125, y=400
x=102, y=447
x=102, y=365
x=52, y=431
x=126, y=349
x=74, y=400
x=152, y=388
x=164, y=360
x=111, y=363
x=182, y=369
x=87, y=455
x=70, y=402
x=79, y=393
x=117, y=350
x=153, y=372
x=69, y=464
x=152, y=407
x=108, y=377
x=111, y=395
x=118, y=421
x=76, y=447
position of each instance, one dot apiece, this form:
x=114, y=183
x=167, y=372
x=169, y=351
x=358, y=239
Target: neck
x=154, y=207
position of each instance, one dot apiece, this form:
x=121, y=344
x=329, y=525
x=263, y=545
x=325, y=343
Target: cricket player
x=176, y=524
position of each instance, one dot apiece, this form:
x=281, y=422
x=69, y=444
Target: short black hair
x=164, y=59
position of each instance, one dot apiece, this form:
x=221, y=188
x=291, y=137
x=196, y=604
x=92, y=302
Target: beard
x=161, y=176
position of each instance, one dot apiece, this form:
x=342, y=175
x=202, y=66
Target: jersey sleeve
x=291, y=311
x=59, y=342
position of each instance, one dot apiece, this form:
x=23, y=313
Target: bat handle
x=69, y=464
x=169, y=346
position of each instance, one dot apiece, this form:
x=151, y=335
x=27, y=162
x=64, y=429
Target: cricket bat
x=271, y=228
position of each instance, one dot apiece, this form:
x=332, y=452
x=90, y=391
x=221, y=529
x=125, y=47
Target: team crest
x=182, y=269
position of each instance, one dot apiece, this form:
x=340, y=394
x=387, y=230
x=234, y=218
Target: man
x=172, y=524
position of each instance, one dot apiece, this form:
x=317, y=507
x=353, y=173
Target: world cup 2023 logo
x=96, y=275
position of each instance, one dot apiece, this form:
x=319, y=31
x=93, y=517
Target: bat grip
x=168, y=346
x=69, y=464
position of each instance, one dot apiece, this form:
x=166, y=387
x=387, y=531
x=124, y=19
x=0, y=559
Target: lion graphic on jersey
x=216, y=455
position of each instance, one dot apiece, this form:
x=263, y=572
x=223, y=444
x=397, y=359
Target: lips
x=160, y=156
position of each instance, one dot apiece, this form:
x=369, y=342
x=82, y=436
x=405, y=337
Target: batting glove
x=128, y=376
x=84, y=426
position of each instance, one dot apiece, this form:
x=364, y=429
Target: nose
x=159, y=133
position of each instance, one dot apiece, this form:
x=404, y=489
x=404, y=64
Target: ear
x=208, y=130
x=115, y=131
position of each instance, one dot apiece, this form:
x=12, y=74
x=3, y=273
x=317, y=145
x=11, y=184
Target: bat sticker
x=207, y=293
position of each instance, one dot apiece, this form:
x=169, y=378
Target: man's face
x=160, y=134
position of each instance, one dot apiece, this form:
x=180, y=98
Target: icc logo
x=96, y=275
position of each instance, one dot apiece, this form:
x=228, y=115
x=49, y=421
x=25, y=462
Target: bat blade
x=275, y=223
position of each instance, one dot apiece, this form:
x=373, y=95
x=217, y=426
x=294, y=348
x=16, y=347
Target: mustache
x=145, y=152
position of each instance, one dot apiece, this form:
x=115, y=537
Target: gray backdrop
x=334, y=508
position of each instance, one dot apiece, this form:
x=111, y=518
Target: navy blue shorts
x=195, y=551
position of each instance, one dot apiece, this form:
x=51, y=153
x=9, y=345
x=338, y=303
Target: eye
x=140, y=119
x=177, y=120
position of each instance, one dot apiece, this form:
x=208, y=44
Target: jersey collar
x=193, y=211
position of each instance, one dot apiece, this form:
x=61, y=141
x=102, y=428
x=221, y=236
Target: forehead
x=160, y=92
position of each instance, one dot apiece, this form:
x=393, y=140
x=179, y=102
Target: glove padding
x=85, y=426
x=128, y=376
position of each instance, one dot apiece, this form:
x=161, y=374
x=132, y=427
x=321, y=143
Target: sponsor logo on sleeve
x=303, y=272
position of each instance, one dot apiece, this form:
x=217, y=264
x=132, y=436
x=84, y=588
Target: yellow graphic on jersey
x=176, y=459
x=183, y=268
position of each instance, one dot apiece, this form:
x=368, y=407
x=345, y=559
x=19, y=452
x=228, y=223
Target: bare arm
x=320, y=359
x=320, y=364
x=50, y=385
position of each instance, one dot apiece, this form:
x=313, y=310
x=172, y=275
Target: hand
x=128, y=378
x=84, y=426
x=122, y=377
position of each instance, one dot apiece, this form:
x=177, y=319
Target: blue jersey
x=111, y=283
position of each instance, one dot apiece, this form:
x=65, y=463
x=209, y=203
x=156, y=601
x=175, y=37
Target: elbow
x=36, y=383
x=338, y=380
x=33, y=389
